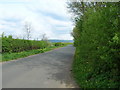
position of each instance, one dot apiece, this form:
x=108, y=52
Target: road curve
x=47, y=70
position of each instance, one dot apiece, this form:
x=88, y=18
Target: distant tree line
x=97, y=41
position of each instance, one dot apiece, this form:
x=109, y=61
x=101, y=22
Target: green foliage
x=97, y=41
x=16, y=55
x=17, y=45
x=11, y=56
x=19, y=48
x=59, y=44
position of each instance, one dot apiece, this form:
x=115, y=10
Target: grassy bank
x=12, y=56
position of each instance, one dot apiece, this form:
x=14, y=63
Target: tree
x=44, y=37
x=28, y=28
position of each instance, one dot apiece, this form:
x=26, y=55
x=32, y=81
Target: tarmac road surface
x=47, y=70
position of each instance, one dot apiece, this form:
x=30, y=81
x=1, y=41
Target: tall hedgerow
x=97, y=41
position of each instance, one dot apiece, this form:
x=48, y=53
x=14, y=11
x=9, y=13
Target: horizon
x=34, y=39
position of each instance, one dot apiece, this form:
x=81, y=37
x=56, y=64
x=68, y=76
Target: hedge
x=10, y=44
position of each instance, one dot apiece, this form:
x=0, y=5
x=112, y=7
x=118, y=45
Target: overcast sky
x=46, y=16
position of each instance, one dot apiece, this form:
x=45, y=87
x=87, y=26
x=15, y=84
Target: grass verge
x=12, y=56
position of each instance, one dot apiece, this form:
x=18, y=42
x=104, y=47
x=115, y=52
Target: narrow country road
x=47, y=70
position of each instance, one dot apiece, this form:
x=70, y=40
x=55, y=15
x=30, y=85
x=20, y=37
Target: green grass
x=12, y=56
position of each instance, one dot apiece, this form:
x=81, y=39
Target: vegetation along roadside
x=97, y=41
x=19, y=48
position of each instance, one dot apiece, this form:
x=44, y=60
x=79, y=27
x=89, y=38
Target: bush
x=59, y=44
x=17, y=45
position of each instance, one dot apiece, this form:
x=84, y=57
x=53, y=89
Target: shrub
x=59, y=44
x=17, y=45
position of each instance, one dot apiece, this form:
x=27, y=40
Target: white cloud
x=31, y=11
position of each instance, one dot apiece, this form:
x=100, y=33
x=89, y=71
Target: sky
x=48, y=17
